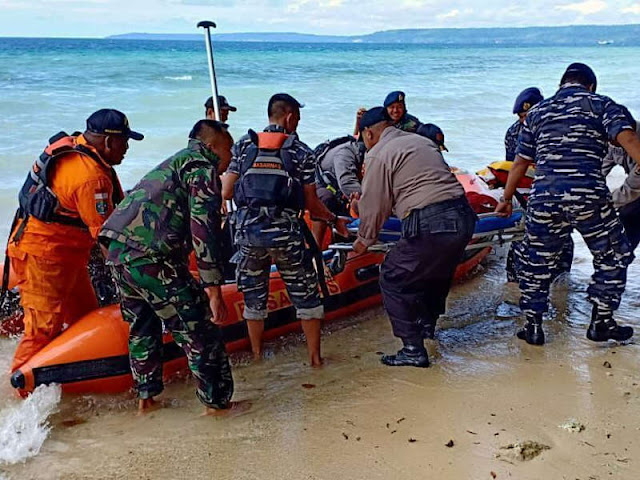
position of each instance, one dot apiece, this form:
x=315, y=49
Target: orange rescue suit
x=50, y=259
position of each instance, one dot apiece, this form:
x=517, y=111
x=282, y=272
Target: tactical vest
x=36, y=199
x=267, y=174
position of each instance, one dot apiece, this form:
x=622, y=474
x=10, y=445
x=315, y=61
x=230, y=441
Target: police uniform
x=407, y=176
x=267, y=231
x=566, y=136
x=626, y=198
x=511, y=141
x=339, y=175
x=174, y=209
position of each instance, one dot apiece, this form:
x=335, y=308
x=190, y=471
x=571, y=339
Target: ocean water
x=48, y=85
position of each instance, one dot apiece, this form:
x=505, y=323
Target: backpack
x=36, y=199
x=267, y=174
x=325, y=178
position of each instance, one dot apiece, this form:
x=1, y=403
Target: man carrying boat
x=338, y=177
x=272, y=180
x=396, y=107
x=407, y=176
x=50, y=245
x=173, y=210
x=566, y=136
x=225, y=108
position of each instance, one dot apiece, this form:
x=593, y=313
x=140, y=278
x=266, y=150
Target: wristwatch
x=333, y=221
x=504, y=200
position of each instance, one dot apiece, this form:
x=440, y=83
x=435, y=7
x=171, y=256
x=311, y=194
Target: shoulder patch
x=102, y=205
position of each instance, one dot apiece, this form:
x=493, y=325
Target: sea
x=49, y=85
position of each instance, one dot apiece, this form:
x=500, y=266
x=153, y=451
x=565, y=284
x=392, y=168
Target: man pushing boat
x=406, y=175
x=173, y=210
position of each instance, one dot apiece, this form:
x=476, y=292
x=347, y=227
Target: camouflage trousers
x=296, y=270
x=548, y=227
x=154, y=293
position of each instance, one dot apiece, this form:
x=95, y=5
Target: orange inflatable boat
x=92, y=354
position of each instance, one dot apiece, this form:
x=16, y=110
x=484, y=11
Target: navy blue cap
x=222, y=100
x=111, y=122
x=372, y=116
x=527, y=99
x=583, y=71
x=394, y=97
x=434, y=133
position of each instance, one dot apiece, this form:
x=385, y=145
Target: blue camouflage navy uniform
x=511, y=141
x=275, y=234
x=566, y=136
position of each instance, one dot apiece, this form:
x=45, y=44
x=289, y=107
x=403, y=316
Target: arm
x=228, y=181
x=630, y=141
x=375, y=205
x=510, y=145
x=94, y=203
x=345, y=164
x=205, y=226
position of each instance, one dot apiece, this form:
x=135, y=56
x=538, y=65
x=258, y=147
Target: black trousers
x=416, y=275
x=630, y=218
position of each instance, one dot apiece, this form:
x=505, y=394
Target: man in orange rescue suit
x=49, y=247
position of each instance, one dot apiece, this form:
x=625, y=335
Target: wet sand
x=356, y=419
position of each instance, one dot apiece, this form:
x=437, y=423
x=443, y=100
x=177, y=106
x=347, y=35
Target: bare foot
x=148, y=405
x=258, y=357
x=316, y=361
x=235, y=409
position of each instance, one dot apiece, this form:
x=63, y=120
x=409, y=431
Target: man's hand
x=216, y=303
x=504, y=209
x=341, y=226
x=359, y=246
x=354, y=199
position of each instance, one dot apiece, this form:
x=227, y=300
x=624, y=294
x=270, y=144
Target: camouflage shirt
x=511, y=141
x=271, y=227
x=566, y=136
x=408, y=123
x=175, y=208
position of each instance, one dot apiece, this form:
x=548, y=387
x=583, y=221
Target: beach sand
x=473, y=415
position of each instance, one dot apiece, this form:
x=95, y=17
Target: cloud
x=452, y=14
x=633, y=9
x=588, y=7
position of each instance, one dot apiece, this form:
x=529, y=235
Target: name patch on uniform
x=102, y=205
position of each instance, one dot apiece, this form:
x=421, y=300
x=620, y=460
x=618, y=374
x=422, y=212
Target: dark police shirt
x=264, y=228
x=566, y=136
x=511, y=141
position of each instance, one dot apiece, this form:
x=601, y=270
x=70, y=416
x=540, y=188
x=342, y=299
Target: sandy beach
x=489, y=407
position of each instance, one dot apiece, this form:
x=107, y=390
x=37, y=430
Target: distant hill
x=582, y=35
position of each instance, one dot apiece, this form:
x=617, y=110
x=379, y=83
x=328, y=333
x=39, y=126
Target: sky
x=97, y=18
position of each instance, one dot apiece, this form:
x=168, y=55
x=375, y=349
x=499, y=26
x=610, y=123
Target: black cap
x=394, y=97
x=434, y=133
x=372, y=116
x=527, y=99
x=582, y=71
x=222, y=100
x=111, y=122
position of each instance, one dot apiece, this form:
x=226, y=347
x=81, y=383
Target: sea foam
x=184, y=78
x=25, y=427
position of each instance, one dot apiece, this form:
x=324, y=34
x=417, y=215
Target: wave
x=24, y=428
x=181, y=78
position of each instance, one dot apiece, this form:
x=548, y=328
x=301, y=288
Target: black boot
x=603, y=327
x=408, y=356
x=532, y=332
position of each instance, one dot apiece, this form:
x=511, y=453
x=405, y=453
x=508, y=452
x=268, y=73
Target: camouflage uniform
x=567, y=136
x=511, y=141
x=408, y=123
x=271, y=233
x=175, y=208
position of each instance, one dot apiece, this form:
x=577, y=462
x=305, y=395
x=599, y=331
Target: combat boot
x=532, y=332
x=408, y=356
x=603, y=327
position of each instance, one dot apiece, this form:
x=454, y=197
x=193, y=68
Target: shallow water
x=161, y=87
